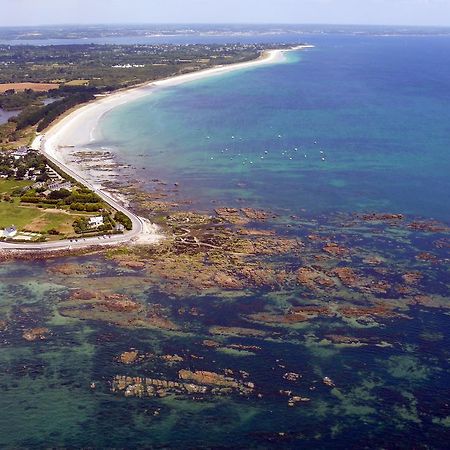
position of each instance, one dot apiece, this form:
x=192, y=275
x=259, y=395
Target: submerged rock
x=172, y=358
x=35, y=334
x=128, y=357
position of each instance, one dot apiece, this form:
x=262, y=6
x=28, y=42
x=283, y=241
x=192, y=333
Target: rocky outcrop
x=172, y=358
x=228, y=281
x=129, y=357
x=120, y=303
x=428, y=226
x=232, y=215
x=334, y=249
x=197, y=382
x=36, y=334
x=412, y=277
x=208, y=378
x=237, y=331
x=257, y=214
x=347, y=276
x=380, y=217
x=291, y=376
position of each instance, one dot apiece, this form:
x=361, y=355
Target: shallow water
x=393, y=387
x=384, y=142
x=369, y=106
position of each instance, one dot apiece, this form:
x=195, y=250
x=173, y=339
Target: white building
x=95, y=221
x=10, y=232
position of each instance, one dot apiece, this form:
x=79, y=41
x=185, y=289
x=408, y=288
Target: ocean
x=349, y=125
x=337, y=336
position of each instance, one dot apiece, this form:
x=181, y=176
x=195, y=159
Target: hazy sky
x=388, y=12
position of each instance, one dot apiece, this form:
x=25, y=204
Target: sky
x=371, y=12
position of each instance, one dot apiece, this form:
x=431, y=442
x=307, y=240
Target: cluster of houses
x=53, y=182
x=20, y=152
x=52, y=185
x=31, y=173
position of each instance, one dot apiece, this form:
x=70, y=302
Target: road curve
x=66, y=244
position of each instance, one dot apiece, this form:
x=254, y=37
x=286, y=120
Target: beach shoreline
x=71, y=135
x=75, y=132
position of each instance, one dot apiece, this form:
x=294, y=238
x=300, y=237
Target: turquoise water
x=377, y=107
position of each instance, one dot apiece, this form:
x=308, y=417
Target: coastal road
x=137, y=230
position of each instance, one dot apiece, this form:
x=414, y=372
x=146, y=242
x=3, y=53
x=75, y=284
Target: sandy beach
x=67, y=142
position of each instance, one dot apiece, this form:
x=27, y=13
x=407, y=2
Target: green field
x=36, y=220
x=32, y=218
x=12, y=214
x=7, y=186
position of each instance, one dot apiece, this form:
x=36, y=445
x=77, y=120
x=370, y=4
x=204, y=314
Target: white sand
x=75, y=131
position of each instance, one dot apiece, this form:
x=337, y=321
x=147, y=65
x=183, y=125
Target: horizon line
x=221, y=24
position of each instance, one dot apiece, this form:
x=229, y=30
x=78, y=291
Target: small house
x=10, y=232
x=96, y=221
x=119, y=227
x=38, y=185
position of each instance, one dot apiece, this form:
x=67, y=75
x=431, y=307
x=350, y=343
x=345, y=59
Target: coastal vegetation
x=39, y=203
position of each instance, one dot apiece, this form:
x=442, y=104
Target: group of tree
x=81, y=225
x=45, y=115
x=11, y=100
x=82, y=199
x=123, y=219
x=18, y=168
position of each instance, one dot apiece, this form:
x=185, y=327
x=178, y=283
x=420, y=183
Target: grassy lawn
x=31, y=218
x=7, y=186
x=37, y=220
x=12, y=214
x=53, y=219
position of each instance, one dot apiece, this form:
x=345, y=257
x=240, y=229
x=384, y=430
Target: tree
x=123, y=219
x=60, y=194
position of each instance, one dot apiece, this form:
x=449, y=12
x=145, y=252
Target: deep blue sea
x=355, y=124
